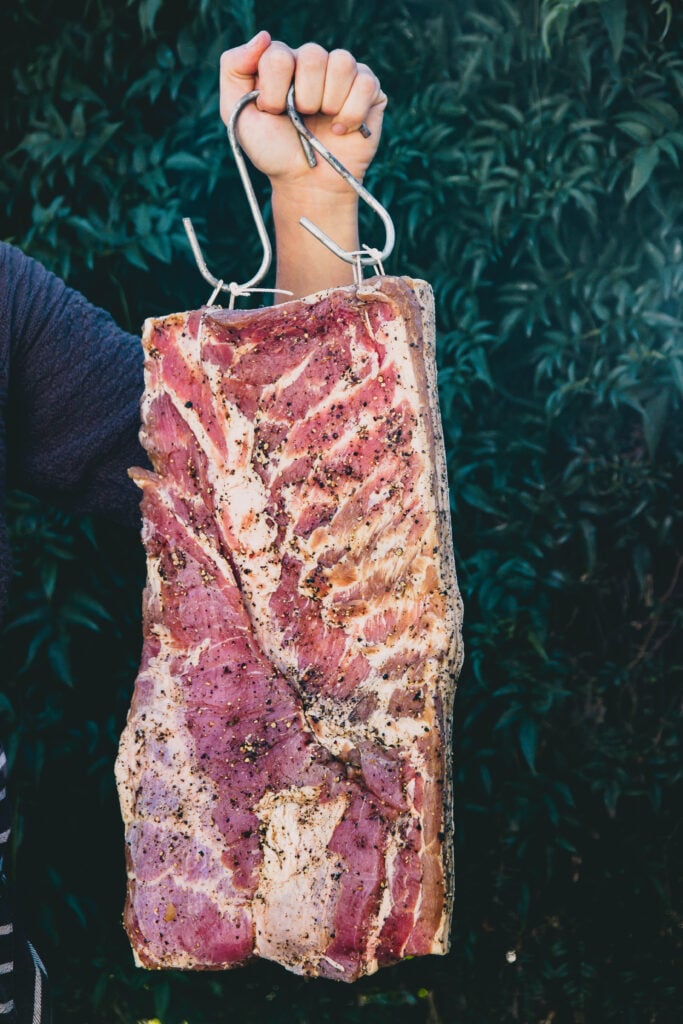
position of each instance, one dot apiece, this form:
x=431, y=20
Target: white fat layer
x=240, y=496
x=296, y=898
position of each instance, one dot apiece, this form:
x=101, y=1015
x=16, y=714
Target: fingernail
x=339, y=129
x=254, y=38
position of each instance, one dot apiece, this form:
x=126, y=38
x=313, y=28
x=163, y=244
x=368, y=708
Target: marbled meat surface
x=284, y=772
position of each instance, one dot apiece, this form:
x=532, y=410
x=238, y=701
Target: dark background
x=531, y=160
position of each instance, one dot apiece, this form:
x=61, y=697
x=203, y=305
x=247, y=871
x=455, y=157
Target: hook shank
x=310, y=143
x=249, y=188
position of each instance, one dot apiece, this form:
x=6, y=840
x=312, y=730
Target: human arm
x=70, y=393
x=336, y=94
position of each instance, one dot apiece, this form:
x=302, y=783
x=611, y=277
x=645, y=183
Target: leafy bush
x=531, y=160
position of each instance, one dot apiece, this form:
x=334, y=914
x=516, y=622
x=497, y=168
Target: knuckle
x=305, y=106
x=367, y=81
x=276, y=58
x=311, y=55
x=345, y=60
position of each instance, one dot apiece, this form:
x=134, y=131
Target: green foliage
x=531, y=161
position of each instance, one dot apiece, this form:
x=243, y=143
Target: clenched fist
x=334, y=92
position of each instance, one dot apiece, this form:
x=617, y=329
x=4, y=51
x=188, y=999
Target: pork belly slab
x=284, y=774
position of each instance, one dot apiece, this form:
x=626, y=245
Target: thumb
x=238, y=70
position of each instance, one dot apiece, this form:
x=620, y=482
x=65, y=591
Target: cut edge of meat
x=420, y=306
x=425, y=299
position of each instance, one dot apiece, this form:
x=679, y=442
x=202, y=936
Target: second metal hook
x=365, y=256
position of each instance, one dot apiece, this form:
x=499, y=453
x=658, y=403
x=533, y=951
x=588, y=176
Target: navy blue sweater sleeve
x=71, y=382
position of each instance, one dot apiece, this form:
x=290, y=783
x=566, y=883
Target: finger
x=309, y=77
x=275, y=73
x=238, y=70
x=364, y=103
x=339, y=77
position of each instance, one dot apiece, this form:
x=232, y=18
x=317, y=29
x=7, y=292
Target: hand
x=333, y=91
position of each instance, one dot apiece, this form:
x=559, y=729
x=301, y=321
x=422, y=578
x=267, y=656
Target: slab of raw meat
x=284, y=774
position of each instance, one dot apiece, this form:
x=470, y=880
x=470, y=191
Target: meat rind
x=284, y=774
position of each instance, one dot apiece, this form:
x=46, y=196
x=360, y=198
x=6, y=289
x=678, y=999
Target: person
x=71, y=380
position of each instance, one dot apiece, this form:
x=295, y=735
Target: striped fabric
x=6, y=925
x=23, y=979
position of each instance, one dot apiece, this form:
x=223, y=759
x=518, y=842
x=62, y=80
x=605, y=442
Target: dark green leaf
x=644, y=163
x=528, y=737
x=613, y=14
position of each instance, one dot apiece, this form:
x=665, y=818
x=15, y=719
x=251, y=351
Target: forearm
x=305, y=265
x=74, y=391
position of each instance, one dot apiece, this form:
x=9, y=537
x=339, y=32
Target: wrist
x=304, y=265
x=307, y=192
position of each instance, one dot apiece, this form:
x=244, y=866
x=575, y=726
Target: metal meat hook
x=233, y=288
x=360, y=257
